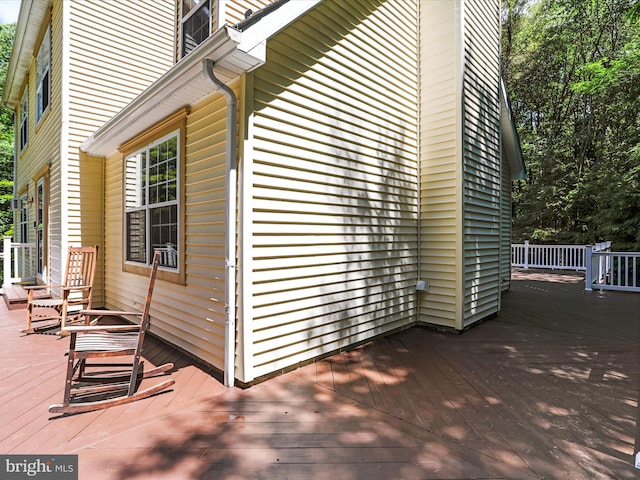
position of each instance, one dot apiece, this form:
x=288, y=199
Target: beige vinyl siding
x=42, y=154
x=191, y=316
x=107, y=68
x=334, y=183
x=235, y=9
x=482, y=173
x=505, y=227
x=110, y=63
x=440, y=165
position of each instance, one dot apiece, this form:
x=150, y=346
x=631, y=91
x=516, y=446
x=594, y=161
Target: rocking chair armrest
x=41, y=287
x=101, y=328
x=108, y=313
x=77, y=287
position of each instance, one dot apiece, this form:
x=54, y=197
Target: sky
x=9, y=11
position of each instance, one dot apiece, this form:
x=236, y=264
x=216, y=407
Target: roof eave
x=32, y=14
x=510, y=138
x=182, y=85
x=233, y=52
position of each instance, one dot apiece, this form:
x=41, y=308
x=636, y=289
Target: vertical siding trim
x=505, y=225
x=481, y=159
x=460, y=140
x=245, y=371
x=64, y=124
x=501, y=202
x=218, y=10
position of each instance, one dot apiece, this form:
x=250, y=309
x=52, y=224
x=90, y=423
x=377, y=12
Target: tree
x=7, y=34
x=634, y=13
x=572, y=73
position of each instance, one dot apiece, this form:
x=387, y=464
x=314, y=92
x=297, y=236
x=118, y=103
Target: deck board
x=548, y=388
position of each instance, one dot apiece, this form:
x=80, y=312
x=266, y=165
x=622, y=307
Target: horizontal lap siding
x=482, y=173
x=439, y=159
x=43, y=148
x=334, y=182
x=110, y=63
x=191, y=316
x=235, y=10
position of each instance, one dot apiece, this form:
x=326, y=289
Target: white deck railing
x=555, y=257
x=612, y=271
x=18, y=261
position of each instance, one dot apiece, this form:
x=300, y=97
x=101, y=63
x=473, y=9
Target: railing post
x=526, y=254
x=587, y=274
x=6, y=262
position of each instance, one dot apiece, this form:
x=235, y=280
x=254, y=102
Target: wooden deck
x=549, y=389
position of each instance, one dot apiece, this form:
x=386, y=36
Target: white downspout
x=230, y=234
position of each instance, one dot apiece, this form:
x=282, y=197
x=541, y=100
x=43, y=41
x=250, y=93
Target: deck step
x=15, y=296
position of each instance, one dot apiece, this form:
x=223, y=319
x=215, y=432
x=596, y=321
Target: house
x=315, y=173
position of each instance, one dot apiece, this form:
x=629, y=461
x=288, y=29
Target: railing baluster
x=605, y=270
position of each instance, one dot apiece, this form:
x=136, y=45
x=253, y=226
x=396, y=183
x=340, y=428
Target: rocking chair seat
x=107, y=342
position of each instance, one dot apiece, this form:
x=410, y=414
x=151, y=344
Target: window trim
x=173, y=123
x=42, y=109
x=23, y=216
x=41, y=223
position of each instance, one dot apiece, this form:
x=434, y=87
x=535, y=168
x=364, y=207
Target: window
x=24, y=219
x=152, y=202
x=41, y=225
x=43, y=65
x=24, y=118
x=195, y=23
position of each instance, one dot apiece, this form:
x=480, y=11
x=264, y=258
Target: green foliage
x=634, y=13
x=572, y=71
x=7, y=33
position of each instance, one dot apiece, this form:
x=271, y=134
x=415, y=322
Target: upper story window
x=196, y=23
x=43, y=66
x=24, y=118
x=152, y=202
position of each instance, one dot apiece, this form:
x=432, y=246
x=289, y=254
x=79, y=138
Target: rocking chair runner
x=108, y=387
x=76, y=293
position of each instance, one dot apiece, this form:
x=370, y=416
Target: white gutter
x=230, y=232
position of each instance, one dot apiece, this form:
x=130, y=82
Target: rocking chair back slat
x=80, y=267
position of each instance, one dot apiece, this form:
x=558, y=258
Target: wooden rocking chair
x=114, y=383
x=75, y=293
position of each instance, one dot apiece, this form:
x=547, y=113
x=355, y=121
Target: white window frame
x=24, y=219
x=41, y=226
x=43, y=76
x=138, y=200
